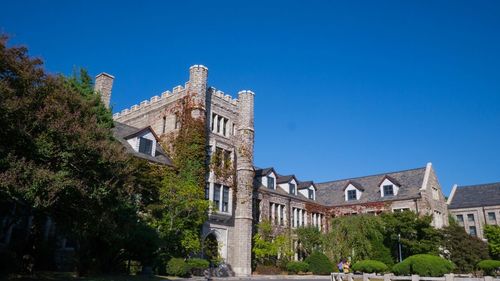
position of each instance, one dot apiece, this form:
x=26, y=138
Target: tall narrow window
x=472, y=231
x=145, y=146
x=311, y=194
x=207, y=191
x=177, y=122
x=292, y=188
x=282, y=212
x=214, y=120
x=224, y=125
x=216, y=200
x=225, y=199
x=491, y=216
x=164, y=124
x=460, y=219
x=270, y=182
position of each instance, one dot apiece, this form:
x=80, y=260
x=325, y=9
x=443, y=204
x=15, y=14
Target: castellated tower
x=103, y=85
x=230, y=134
x=197, y=87
x=245, y=174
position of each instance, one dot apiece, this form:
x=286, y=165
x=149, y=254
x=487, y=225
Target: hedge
x=369, y=266
x=489, y=267
x=319, y=264
x=178, y=267
x=197, y=266
x=423, y=265
x=297, y=266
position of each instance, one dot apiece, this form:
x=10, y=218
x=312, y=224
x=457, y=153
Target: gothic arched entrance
x=211, y=248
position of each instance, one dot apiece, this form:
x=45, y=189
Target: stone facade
x=249, y=198
x=475, y=206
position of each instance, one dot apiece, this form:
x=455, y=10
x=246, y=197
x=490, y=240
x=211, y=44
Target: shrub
x=489, y=267
x=177, y=267
x=319, y=264
x=197, y=266
x=369, y=266
x=423, y=265
x=297, y=266
x=267, y=269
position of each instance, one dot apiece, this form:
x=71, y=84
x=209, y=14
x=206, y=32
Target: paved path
x=266, y=278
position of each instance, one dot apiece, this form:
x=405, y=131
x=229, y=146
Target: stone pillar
x=103, y=85
x=245, y=174
x=272, y=213
x=198, y=75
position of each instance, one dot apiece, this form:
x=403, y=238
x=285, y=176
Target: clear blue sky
x=343, y=88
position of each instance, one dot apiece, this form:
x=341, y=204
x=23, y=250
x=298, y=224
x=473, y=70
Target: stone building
x=417, y=190
x=257, y=194
x=475, y=206
x=230, y=128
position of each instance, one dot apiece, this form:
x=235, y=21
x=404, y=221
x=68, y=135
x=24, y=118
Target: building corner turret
x=245, y=174
x=197, y=88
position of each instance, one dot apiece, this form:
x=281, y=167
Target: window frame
x=350, y=192
x=143, y=144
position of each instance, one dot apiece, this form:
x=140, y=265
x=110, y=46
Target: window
x=292, y=188
x=435, y=193
x=311, y=194
x=145, y=146
x=164, y=125
x=177, y=122
x=400, y=210
x=460, y=219
x=225, y=199
x=207, y=191
x=217, y=188
x=270, y=182
x=351, y=195
x=472, y=231
x=282, y=217
x=220, y=125
x=491, y=216
x=470, y=217
x=388, y=190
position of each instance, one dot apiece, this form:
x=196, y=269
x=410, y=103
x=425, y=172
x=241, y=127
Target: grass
x=70, y=276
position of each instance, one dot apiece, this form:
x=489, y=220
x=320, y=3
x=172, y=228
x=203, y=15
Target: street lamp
x=399, y=246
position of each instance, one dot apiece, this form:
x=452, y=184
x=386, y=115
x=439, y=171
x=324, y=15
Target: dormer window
x=145, y=146
x=351, y=195
x=292, y=188
x=270, y=182
x=388, y=190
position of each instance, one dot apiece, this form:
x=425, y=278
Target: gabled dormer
x=389, y=186
x=266, y=177
x=308, y=189
x=143, y=141
x=353, y=191
x=288, y=184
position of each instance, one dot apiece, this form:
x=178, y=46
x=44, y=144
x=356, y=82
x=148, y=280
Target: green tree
x=310, y=238
x=58, y=158
x=417, y=236
x=462, y=249
x=492, y=233
x=269, y=249
x=353, y=236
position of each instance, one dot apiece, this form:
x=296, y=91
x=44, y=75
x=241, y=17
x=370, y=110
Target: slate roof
x=122, y=132
x=410, y=181
x=285, y=179
x=476, y=196
x=306, y=184
x=263, y=172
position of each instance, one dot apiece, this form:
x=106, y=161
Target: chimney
x=103, y=85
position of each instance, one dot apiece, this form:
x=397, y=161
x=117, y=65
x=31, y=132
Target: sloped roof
x=476, y=196
x=122, y=132
x=409, y=181
x=285, y=179
x=306, y=184
x=263, y=172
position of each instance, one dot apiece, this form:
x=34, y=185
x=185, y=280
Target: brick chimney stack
x=103, y=85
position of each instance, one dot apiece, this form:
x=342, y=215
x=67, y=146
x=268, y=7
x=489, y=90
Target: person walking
x=340, y=266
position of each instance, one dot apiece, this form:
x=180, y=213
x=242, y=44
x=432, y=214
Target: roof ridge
x=379, y=174
x=476, y=185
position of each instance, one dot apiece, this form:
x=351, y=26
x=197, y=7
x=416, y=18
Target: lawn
x=69, y=276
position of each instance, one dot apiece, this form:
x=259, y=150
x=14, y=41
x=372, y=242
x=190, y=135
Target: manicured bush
x=489, y=267
x=369, y=266
x=267, y=269
x=297, y=266
x=197, y=266
x=423, y=265
x=177, y=267
x=319, y=264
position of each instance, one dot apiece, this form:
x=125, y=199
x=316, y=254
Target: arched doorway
x=211, y=248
